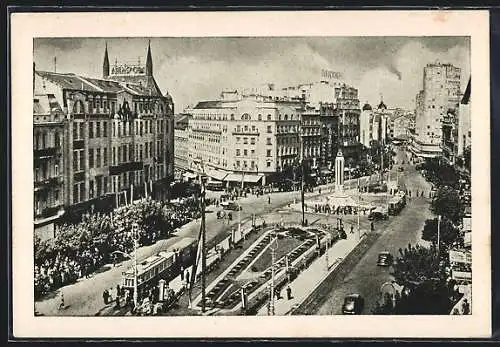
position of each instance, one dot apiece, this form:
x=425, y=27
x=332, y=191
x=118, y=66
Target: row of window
x=42, y=140
x=43, y=172
x=245, y=140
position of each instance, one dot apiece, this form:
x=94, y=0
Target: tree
x=417, y=264
x=421, y=271
x=449, y=234
x=447, y=203
x=467, y=159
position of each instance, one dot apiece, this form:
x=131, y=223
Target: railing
x=46, y=152
x=50, y=181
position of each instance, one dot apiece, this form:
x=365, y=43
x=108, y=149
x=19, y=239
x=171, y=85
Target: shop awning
x=252, y=178
x=249, y=178
x=216, y=174
x=233, y=177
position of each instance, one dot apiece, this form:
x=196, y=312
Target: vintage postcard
x=257, y=174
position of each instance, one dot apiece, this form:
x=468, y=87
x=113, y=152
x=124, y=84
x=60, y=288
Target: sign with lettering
x=460, y=257
x=461, y=276
x=128, y=70
x=331, y=74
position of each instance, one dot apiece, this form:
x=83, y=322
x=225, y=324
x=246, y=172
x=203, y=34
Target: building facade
x=464, y=122
x=440, y=97
x=400, y=125
x=48, y=163
x=117, y=134
x=181, y=140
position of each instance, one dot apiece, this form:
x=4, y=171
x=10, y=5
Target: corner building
x=118, y=134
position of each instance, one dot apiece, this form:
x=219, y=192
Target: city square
x=266, y=200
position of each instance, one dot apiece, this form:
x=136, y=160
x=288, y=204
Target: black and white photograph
x=253, y=176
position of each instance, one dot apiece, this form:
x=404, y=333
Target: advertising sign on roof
x=127, y=70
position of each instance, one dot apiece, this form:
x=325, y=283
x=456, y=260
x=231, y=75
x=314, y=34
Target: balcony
x=48, y=182
x=45, y=152
x=78, y=144
x=125, y=167
x=246, y=132
x=206, y=131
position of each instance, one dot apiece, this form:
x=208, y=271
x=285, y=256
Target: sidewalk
x=311, y=277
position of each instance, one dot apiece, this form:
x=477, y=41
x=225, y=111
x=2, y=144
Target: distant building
x=438, y=100
x=400, y=126
x=464, y=122
x=181, y=140
x=117, y=133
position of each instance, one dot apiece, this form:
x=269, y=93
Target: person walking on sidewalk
x=289, y=293
x=61, y=305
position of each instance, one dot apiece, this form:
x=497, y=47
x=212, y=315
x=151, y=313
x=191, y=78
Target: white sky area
x=196, y=69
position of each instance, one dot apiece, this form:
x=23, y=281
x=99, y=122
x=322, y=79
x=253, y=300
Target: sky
x=196, y=69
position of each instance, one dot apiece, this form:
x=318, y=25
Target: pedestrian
x=372, y=227
x=117, y=301
x=61, y=305
x=352, y=229
x=105, y=297
x=269, y=199
x=118, y=291
x=289, y=293
x=465, y=307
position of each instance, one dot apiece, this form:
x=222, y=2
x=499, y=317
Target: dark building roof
x=367, y=107
x=208, y=104
x=382, y=106
x=466, y=96
x=138, y=85
x=45, y=104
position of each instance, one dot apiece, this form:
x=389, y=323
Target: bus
x=160, y=266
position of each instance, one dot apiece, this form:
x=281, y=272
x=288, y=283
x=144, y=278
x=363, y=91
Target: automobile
x=353, y=304
x=378, y=214
x=385, y=259
x=229, y=205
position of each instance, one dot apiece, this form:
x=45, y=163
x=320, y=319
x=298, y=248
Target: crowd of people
x=80, y=249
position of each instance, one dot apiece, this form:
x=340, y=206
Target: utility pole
x=273, y=263
x=438, y=234
x=136, y=236
x=203, y=253
x=303, y=176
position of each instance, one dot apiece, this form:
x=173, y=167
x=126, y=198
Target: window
x=245, y=163
x=98, y=157
x=114, y=129
x=151, y=149
x=140, y=152
x=119, y=129
x=147, y=150
x=259, y=117
x=269, y=129
x=245, y=152
x=56, y=170
x=268, y=117
x=238, y=128
x=237, y=152
x=252, y=152
x=125, y=147
x=268, y=164
x=150, y=127
x=119, y=157
x=268, y=141
x=141, y=128
x=80, y=131
x=104, y=129
x=232, y=116
x=268, y=153
x=82, y=191
x=82, y=161
x=75, y=193
x=104, y=156
x=252, y=141
x=252, y=164
x=245, y=140
x=91, y=130
x=238, y=139
x=91, y=158
x=113, y=162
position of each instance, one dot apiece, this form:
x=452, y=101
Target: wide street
x=85, y=296
x=365, y=277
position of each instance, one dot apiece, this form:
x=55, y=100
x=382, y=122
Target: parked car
x=229, y=205
x=385, y=259
x=353, y=304
x=378, y=214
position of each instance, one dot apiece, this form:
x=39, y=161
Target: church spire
x=105, y=64
x=149, y=61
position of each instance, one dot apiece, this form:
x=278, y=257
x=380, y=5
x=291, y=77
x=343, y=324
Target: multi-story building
x=243, y=138
x=401, y=124
x=464, y=122
x=118, y=133
x=181, y=139
x=48, y=163
x=440, y=97
x=374, y=124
